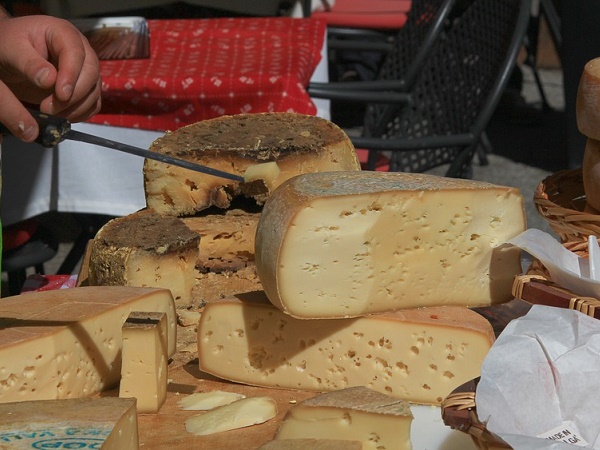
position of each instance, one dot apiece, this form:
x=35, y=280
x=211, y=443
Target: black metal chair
x=439, y=86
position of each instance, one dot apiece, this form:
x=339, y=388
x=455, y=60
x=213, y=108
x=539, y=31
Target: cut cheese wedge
x=239, y=414
x=144, y=366
x=297, y=143
x=67, y=343
x=146, y=249
x=346, y=244
x=99, y=423
x=419, y=355
x=377, y=420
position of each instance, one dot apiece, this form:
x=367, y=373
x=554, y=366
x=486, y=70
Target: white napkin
x=542, y=377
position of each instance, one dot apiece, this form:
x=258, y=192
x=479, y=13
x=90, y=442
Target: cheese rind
x=144, y=360
x=419, y=355
x=297, y=143
x=102, y=423
x=356, y=414
x=146, y=249
x=67, y=343
x=346, y=244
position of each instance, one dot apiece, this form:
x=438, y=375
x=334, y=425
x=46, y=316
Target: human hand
x=45, y=61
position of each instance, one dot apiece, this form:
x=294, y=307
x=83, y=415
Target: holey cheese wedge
x=346, y=244
x=419, y=355
x=296, y=143
x=67, y=343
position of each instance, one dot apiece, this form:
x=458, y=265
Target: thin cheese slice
x=99, y=423
x=144, y=368
x=204, y=401
x=67, y=343
x=419, y=355
x=346, y=244
x=377, y=420
x=239, y=414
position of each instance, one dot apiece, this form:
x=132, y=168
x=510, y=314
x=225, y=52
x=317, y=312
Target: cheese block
x=144, y=367
x=346, y=244
x=588, y=121
x=419, y=355
x=146, y=249
x=226, y=239
x=297, y=143
x=99, y=423
x=67, y=343
x=357, y=414
x=587, y=105
x=312, y=444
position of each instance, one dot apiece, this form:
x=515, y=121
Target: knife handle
x=53, y=129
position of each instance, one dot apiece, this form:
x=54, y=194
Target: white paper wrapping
x=542, y=373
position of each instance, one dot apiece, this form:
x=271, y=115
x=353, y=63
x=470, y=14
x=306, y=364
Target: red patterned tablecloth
x=204, y=68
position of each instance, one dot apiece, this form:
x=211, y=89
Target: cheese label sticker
x=55, y=438
x=567, y=432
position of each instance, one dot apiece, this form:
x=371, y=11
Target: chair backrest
x=457, y=85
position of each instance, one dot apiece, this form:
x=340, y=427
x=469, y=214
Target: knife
x=54, y=129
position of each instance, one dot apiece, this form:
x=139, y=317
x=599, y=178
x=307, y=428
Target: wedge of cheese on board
x=419, y=355
x=356, y=414
x=144, y=360
x=99, y=423
x=312, y=444
x=297, y=143
x=146, y=249
x=67, y=343
x=345, y=244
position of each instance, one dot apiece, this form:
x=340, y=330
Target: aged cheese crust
x=146, y=249
x=346, y=244
x=298, y=143
x=419, y=355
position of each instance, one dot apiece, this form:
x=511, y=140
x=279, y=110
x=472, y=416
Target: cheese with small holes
x=100, y=423
x=377, y=420
x=297, y=143
x=67, y=343
x=144, y=368
x=312, y=444
x=146, y=249
x=346, y=244
x=419, y=355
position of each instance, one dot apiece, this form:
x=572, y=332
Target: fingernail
x=29, y=133
x=41, y=76
x=68, y=90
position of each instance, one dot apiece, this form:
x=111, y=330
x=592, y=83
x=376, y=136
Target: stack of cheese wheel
x=588, y=122
x=336, y=277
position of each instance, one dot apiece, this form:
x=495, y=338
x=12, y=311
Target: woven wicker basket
x=560, y=199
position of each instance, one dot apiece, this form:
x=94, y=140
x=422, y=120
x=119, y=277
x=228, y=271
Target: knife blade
x=54, y=129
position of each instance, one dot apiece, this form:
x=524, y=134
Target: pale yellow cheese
x=377, y=420
x=297, y=143
x=67, y=343
x=99, y=423
x=148, y=250
x=239, y=414
x=144, y=367
x=419, y=355
x=312, y=444
x=204, y=401
x=268, y=172
x=345, y=244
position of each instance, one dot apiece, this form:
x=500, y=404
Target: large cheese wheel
x=344, y=244
x=298, y=143
x=67, y=343
x=146, y=249
x=419, y=355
